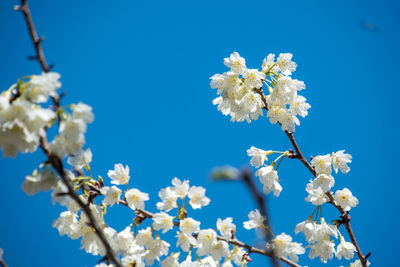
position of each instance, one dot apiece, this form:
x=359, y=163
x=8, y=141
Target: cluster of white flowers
x=72, y=128
x=143, y=247
x=241, y=91
x=23, y=126
x=318, y=235
x=267, y=174
x=324, y=181
x=23, y=121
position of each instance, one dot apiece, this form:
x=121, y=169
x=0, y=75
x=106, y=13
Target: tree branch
x=37, y=42
x=344, y=215
x=262, y=205
x=53, y=159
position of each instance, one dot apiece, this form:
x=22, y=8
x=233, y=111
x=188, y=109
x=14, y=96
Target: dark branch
x=262, y=205
x=36, y=40
x=52, y=159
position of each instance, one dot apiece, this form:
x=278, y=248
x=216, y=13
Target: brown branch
x=236, y=242
x=53, y=159
x=262, y=205
x=344, y=215
x=37, y=42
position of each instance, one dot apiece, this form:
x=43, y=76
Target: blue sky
x=144, y=67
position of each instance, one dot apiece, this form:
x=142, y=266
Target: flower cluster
x=23, y=121
x=242, y=96
x=324, y=181
x=143, y=247
x=318, y=235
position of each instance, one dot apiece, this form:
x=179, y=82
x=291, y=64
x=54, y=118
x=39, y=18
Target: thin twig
x=37, y=42
x=53, y=159
x=262, y=205
x=344, y=215
x=236, y=242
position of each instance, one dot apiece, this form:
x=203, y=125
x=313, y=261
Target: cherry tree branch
x=37, y=42
x=344, y=214
x=55, y=161
x=250, y=249
x=261, y=201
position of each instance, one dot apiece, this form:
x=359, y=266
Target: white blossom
x=324, y=230
x=226, y=227
x=236, y=63
x=217, y=82
x=253, y=78
x=145, y=237
x=111, y=195
x=299, y=106
x=39, y=87
x=180, y=188
x=185, y=241
x=258, y=156
x=340, y=161
x=162, y=221
x=206, y=240
x=158, y=249
x=83, y=112
x=269, y=65
x=197, y=197
x=325, y=182
x=189, y=226
x=21, y=125
x=92, y=244
x=315, y=195
x=283, y=246
x=68, y=224
x=256, y=220
x=119, y=175
x=44, y=180
x=220, y=249
x=81, y=159
x=171, y=260
x=325, y=249
x=285, y=63
x=125, y=239
x=345, y=199
x=308, y=227
x=345, y=249
x=168, y=197
x=269, y=178
x=132, y=260
x=322, y=164
x=237, y=255
x=209, y=262
x=135, y=199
